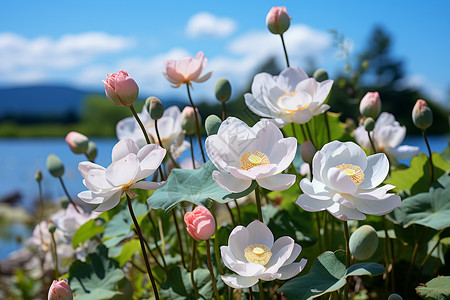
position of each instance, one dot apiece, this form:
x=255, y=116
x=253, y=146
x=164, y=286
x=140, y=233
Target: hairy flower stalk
x=197, y=125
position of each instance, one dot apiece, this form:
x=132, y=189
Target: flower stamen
x=258, y=254
x=252, y=159
x=354, y=172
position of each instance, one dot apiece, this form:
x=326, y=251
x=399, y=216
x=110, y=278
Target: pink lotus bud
x=77, y=142
x=188, y=120
x=278, y=20
x=60, y=290
x=308, y=150
x=200, y=223
x=422, y=115
x=121, y=89
x=370, y=105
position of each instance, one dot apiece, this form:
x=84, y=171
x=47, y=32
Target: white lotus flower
x=169, y=127
x=243, y=154
x=253, y=255
x=345, y=183
x=129, y=166
x=291, y=97
x=69, y=220
x=387, y=137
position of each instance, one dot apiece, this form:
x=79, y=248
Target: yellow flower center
x=258, y=254
x=289, y=94
x=252, y=159
x=354, y=172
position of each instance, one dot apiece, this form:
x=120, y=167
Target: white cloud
x=204, y=24
x=21, y=54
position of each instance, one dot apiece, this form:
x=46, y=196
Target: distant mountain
x=47, y=99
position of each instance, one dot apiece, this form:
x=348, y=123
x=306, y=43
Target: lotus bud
x=55, y=166
x=320, y=75
x=369, y=124
x=121, y=89
x=200, y=223
x=154, y=107
x=77, y=142
x=370, y=105
x=91, y=151
x=278, y=20
x=60, y=290
x=422, y=115
x=51, y=228
x=212, y=124
x=363, y=242
x=188, y=120
x=395, y=297
x=308, y=150
x=38, y=176
x=64, y=203
x=223, y=90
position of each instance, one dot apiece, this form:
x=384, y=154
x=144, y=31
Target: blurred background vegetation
x=375, y=69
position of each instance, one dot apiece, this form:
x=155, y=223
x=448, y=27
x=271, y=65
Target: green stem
x=347, y=257
x=250, y=293
x=55, y=255
x=391, y=243
x=318, y=232
x=305, y=138
x=192, y=152
x=231, y=214
x=258, y=204
x=261, y=290
x=216, y=243
x=293, y=131
x=67, y=194
x=371, y=142
x=147, y=139
x=180, y=244
x=325, y=115
x=194, y=250
x=238, y=211
x=429, y=157
x=422, y=265
x=211, y=271
x=161, y=144
x=197, y=125
x=386, y=254
x=144, y=252
x=224, y=111
x=151, y=254
x=413, y=259
x=310, y=135
x=285, y=51
x=155, y=237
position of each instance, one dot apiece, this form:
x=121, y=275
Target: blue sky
x=78, y=42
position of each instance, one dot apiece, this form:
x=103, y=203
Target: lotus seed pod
x=154, y=107
x=91, y=151
x=64, y=203
x=55, y=165
x=369, y=124
x=77, y=142
x=212, y=124
x=422, y=115
x=363, y=242
x=223, y=90
x=188, y=123
x=395, y=297
x=370, y=105
x=38, y=176
x=320, y=75
x=51, y=228
x=308, y=150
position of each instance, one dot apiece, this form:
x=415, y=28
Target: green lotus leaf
x=194, y=186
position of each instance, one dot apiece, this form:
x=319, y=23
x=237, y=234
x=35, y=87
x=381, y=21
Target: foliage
x=328, y=274
x=438, y=288
x=194, y=186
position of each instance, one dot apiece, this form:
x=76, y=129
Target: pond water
x=21, y=158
